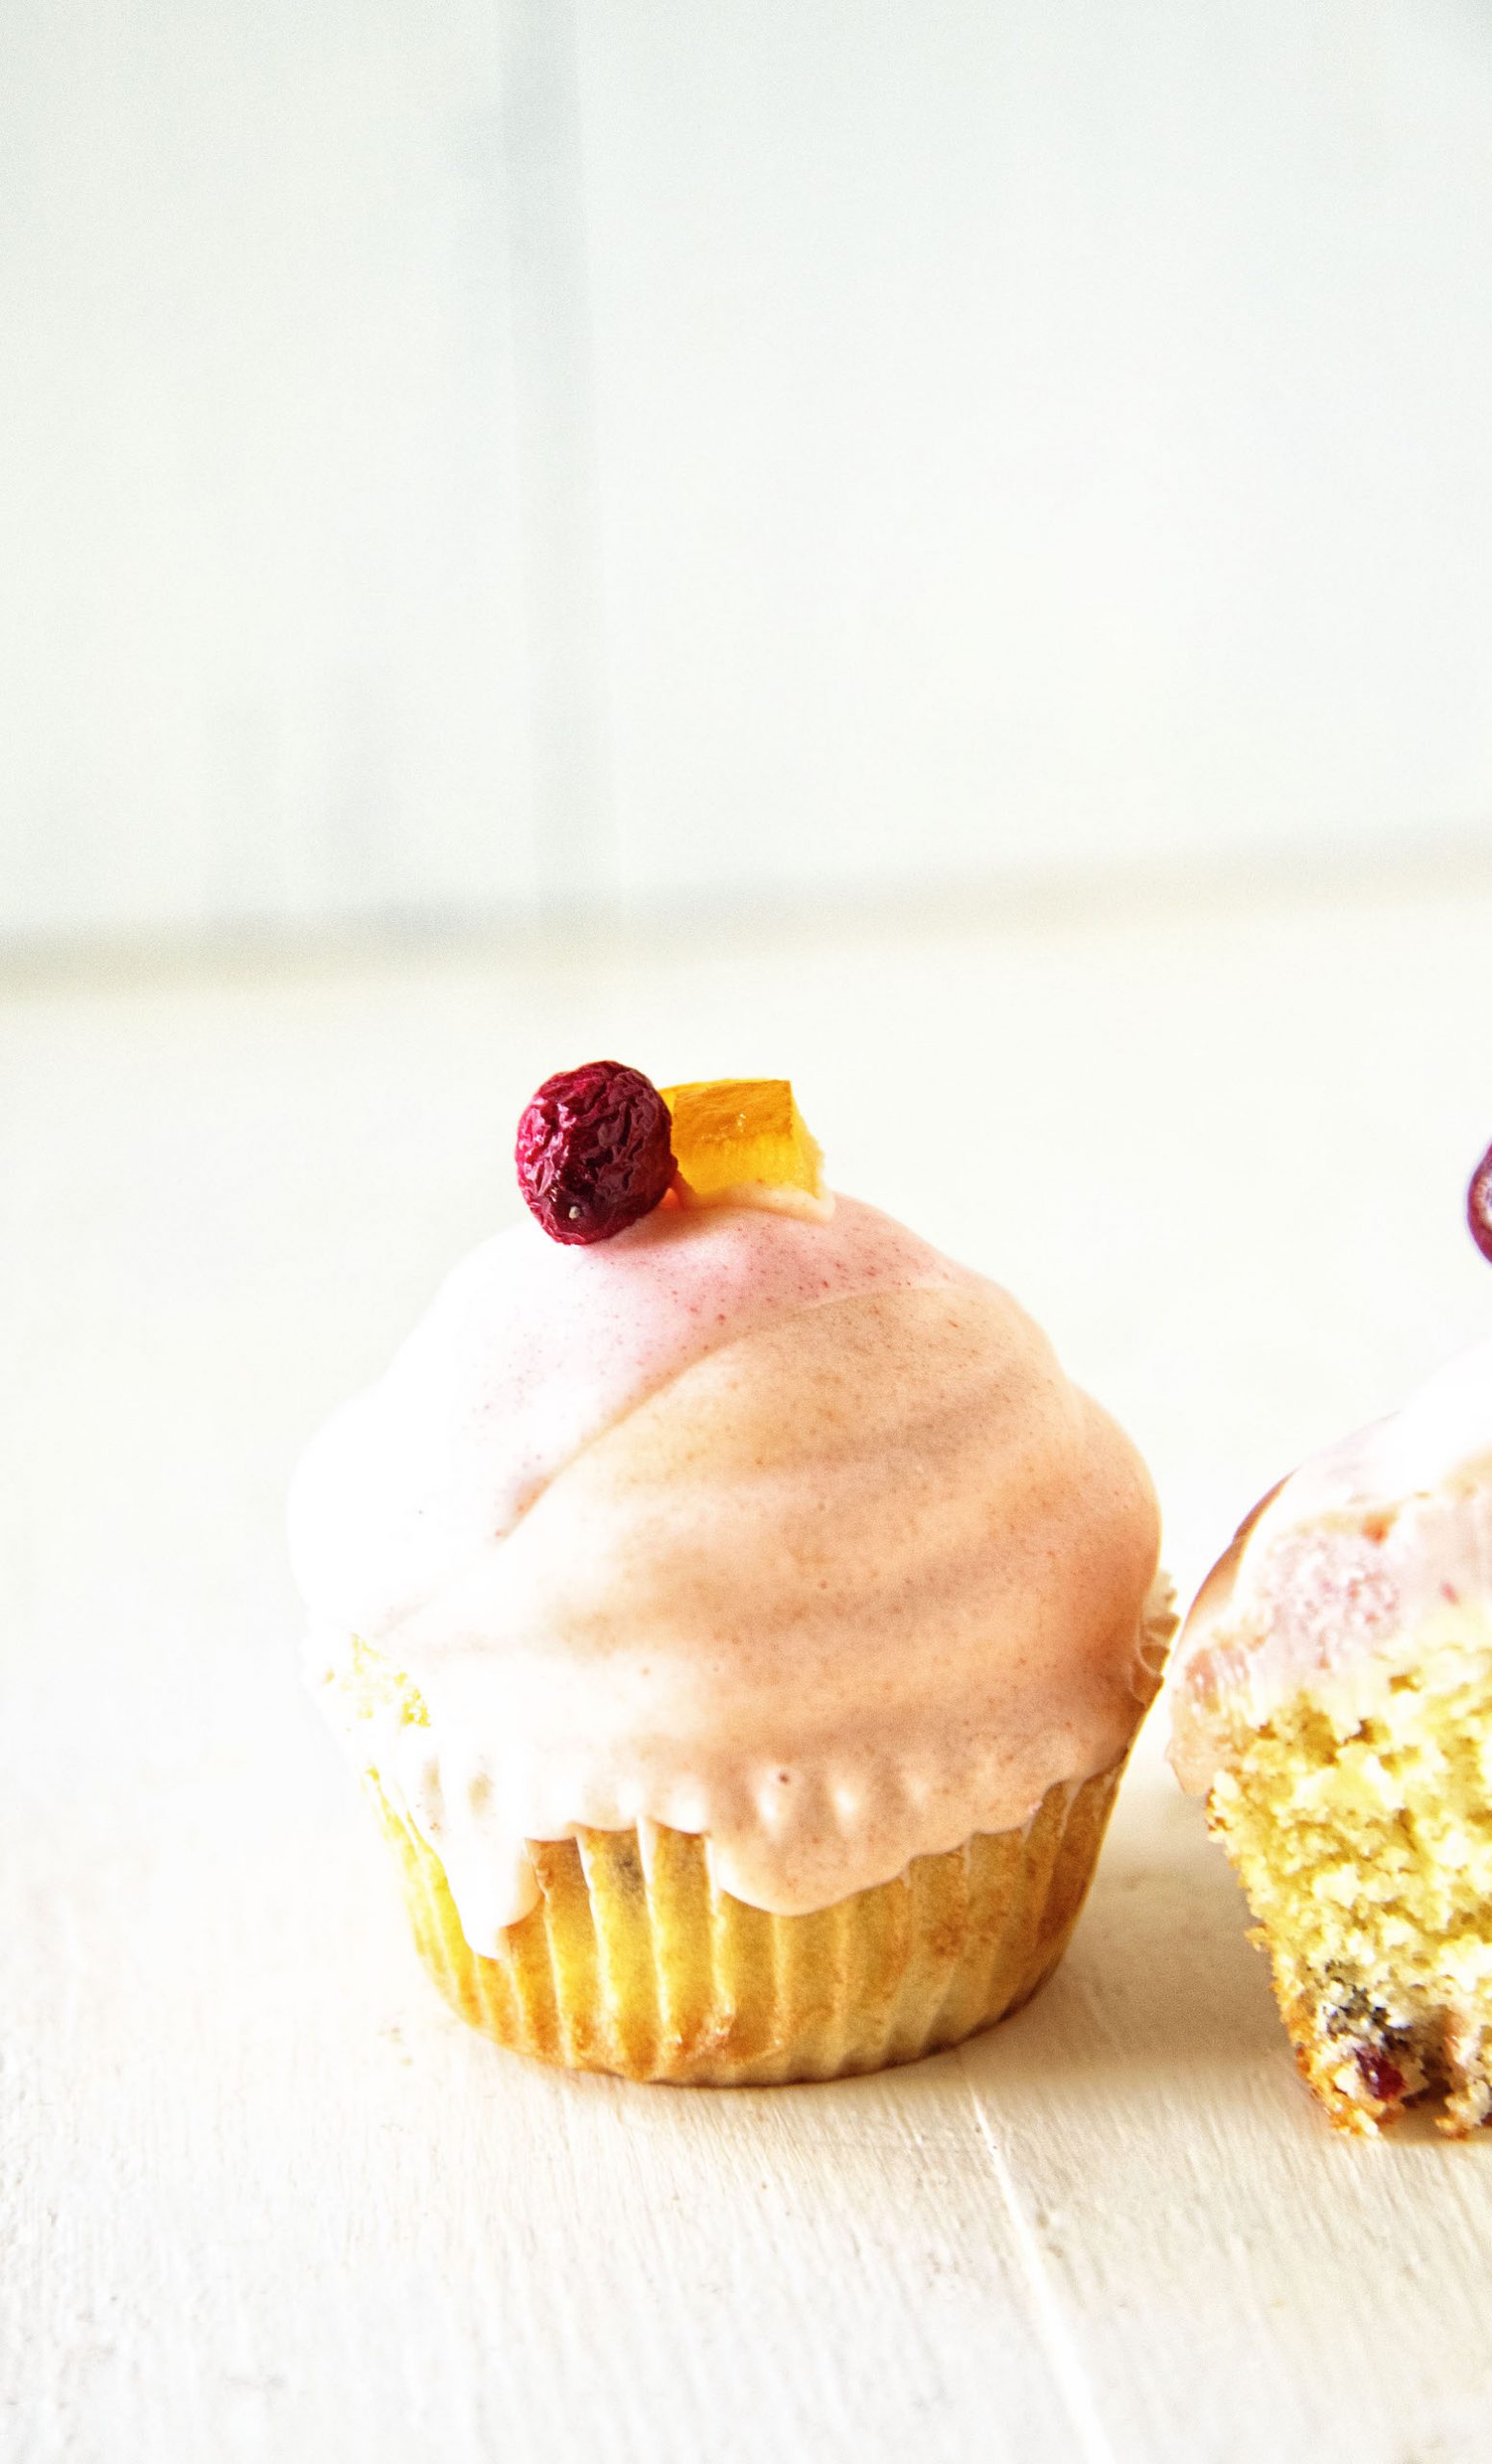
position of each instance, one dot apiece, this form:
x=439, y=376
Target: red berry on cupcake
x=594, y=1152
x=1479, y=1205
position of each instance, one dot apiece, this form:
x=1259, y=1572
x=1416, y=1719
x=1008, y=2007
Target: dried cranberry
x=1479, y=1205
x=593, y=1151
x=1382, y=2078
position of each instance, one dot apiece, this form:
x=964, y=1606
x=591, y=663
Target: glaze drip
x=790, y=1534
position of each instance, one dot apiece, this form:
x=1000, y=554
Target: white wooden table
x=263, y=2198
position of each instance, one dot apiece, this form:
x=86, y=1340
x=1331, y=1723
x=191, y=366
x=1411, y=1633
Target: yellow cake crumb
x=1365, y=1847
x=362, y=1684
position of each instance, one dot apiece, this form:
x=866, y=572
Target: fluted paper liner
x=634, y=1960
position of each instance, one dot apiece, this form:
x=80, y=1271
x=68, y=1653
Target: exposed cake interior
x=1365, y=1846
x=1333, y=1703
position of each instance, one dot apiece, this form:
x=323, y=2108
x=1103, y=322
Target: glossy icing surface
x=1381, y=1544
x=792, y=1533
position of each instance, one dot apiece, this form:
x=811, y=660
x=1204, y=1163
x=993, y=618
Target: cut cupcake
x=740, y=1619
x=1333, y=1703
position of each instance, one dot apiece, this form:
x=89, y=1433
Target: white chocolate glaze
x=790, y=1534
x=1380, y=1545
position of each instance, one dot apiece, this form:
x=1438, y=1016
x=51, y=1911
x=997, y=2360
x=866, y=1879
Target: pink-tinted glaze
x=790, y=1534
x=1380, y=1543
x=527, y=1353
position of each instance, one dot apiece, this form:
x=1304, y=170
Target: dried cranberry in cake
x=593, y=1151
x=1383, y=2079
x=1479, y=1205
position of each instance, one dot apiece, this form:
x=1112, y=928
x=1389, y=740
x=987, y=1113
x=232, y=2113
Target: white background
x=458, y=460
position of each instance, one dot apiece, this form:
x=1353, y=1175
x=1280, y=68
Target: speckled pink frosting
x=790, y=1534
x=1380, y=1546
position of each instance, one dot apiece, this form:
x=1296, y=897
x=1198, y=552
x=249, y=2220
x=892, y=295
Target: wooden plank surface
x=262, y=2199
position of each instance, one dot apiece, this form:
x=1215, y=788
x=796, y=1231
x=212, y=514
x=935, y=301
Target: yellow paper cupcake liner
x=634, y=1960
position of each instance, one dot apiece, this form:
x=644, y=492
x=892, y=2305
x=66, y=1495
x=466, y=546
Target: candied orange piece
x=741, y=1141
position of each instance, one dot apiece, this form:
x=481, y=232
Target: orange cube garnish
x=742, y=1142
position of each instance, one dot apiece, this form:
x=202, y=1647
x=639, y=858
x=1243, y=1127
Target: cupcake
x=1332, y=1702
x=740, y=1620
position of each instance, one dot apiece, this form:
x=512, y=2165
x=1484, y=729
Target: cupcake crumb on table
x=742, y=1621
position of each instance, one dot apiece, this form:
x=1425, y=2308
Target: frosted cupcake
x=742, y=1621
x=1333, y=1703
